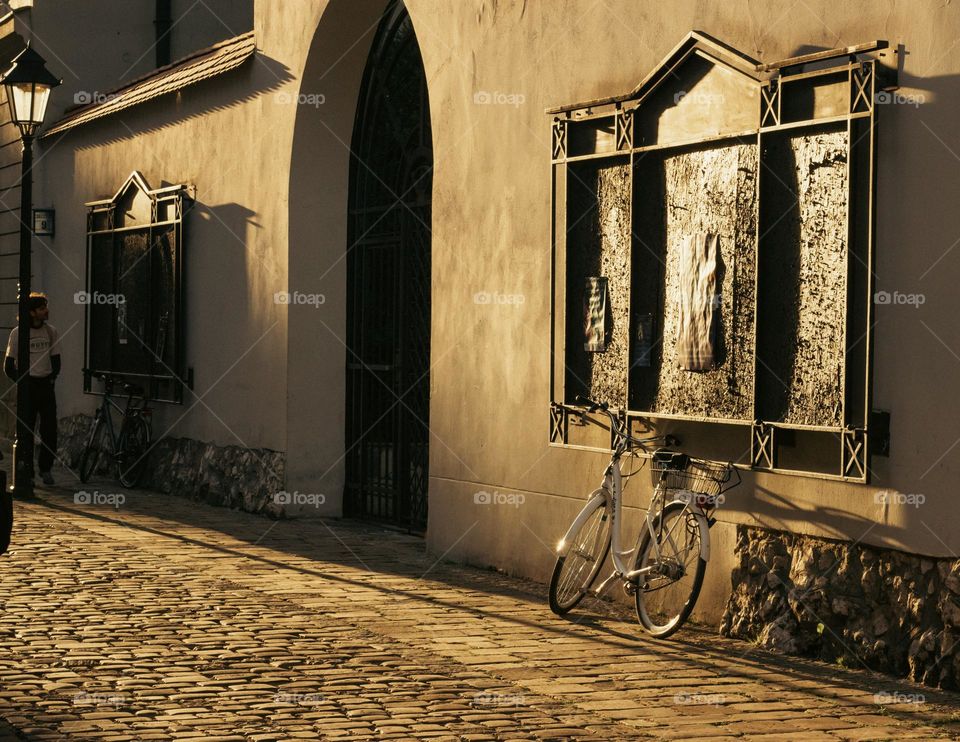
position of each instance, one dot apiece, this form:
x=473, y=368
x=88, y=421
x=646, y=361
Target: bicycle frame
x=612, y=489
x=106, y=414
x=125, y=412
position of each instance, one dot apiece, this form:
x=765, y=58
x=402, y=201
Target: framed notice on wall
x=135, y=252
x=730, y=205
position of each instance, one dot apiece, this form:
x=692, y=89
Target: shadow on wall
x=319, y=180
x=256, y=78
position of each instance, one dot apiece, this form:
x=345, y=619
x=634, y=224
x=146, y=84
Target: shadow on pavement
x=354, y=545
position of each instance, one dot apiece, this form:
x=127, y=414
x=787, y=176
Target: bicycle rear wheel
x=574, y=573
x=666, y=596
x=134, y=448
x=90, y=457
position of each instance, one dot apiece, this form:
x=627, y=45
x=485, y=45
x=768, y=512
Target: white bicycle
x=664, y=571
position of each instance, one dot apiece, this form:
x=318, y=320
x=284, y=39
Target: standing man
x=44, y=367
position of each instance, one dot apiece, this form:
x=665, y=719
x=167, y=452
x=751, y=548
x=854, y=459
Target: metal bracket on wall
x=762, y=446
x=559, y=139
x=854, y=453
x=861, y=88
x=624, y=129
x=558, y=424
x=770, y=104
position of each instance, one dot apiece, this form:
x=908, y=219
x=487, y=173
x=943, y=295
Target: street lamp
x=28, y=84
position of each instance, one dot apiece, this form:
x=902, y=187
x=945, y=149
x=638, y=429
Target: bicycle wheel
x=134, y=448
x=666, y=596
x=96, y=445
x=574, y=573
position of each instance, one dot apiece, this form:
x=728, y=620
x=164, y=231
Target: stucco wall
x=117, y=43
x=272, y=177
x=230, y=137
x=491, y=233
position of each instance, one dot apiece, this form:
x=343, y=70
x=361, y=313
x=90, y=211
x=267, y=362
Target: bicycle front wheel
x=667, y=594
x=134, y=449
x=91, y=453
x=575, y=571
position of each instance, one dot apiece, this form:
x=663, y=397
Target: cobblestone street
x=166, y=619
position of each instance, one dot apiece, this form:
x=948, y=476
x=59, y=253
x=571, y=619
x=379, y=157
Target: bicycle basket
x=699, y=476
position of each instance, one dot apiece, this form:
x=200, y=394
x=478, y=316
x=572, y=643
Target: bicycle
x=128, y=449
x=670, y=558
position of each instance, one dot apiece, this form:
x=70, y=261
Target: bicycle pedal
x=630, y=588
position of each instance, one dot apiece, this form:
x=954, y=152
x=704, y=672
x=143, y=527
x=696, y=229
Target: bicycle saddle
x=671, y=460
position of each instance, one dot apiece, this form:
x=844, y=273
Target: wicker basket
x=702, y=477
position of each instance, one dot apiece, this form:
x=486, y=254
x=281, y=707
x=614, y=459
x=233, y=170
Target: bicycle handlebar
x=594, y=406
x=110, y=380
x=620, y=428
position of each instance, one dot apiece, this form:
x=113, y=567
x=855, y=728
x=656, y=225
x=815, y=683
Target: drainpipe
x=163, y=24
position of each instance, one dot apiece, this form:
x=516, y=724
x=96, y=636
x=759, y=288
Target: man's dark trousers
x=43, y=403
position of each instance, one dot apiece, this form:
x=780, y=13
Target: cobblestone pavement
x=167, y=619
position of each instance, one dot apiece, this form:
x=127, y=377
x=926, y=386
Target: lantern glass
x=28, y=103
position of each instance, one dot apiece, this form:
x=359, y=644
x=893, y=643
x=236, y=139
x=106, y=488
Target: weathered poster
x=594, y=315
x=643, y=341
x=698, y=302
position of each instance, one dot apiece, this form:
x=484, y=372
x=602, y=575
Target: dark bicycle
x=127, y=450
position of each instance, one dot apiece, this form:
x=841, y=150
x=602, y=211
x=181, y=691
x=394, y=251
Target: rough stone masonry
x=847, y=603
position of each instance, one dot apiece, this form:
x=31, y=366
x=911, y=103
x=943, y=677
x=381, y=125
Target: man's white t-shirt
x=43, y=344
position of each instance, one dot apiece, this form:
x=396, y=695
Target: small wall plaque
x=43, y=222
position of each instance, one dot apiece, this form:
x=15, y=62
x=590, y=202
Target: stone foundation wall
x=848, y=603
x=234, y=476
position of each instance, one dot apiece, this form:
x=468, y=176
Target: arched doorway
x=388, y=283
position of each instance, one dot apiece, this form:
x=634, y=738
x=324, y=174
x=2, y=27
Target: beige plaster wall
x=118, y=40
x=113, y=48
x=198, y=25
x=272, y=185
x=491, y=234
x=319, y=178
x=231, y=138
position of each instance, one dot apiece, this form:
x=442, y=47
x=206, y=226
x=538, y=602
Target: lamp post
x=28, y=84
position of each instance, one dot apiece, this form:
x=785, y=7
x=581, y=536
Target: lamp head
x=28, y=83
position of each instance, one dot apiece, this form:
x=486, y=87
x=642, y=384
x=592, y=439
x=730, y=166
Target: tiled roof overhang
x=214, y=60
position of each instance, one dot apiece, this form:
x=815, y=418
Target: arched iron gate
x=388, y=278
